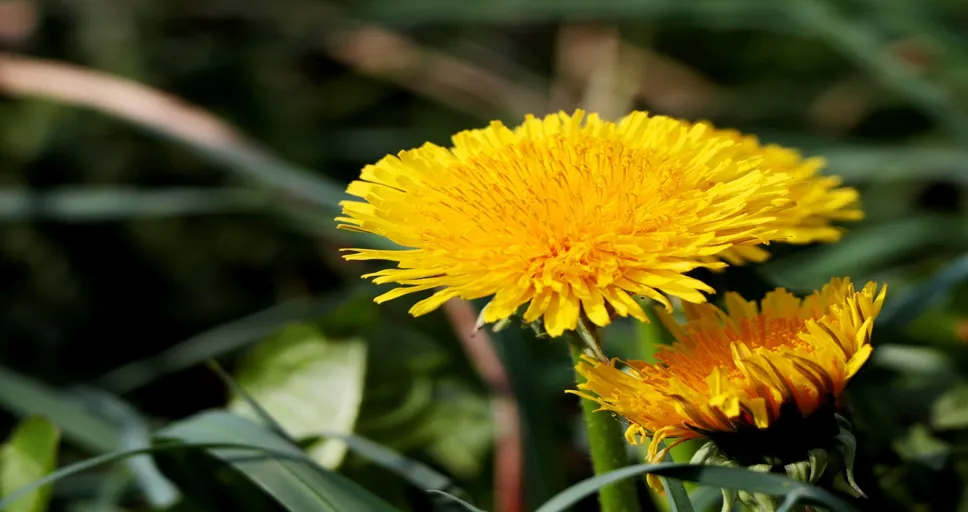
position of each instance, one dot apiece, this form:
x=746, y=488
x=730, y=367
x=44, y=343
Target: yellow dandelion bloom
x=735, y=370
x=819, y=200
x=567, y=214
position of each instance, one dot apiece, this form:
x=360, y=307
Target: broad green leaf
x=712, y=476
x=417, y=473
x=24, y=396
x=950, y=412
x=29, y=454
x=460, y=428
x=912, y=360
x=938, y=327
x=310, y=385
x=288, y=475
x=919, y=445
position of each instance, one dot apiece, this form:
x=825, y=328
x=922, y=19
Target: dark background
x=117, y=244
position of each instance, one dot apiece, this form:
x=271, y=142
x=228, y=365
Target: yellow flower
x=734, y=371
x=819, y=199
x=567, y=214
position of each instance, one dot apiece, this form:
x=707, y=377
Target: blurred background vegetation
x=139, y=239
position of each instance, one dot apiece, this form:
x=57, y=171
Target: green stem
x=607, y=445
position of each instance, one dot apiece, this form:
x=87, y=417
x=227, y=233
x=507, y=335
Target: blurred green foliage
x=127, y=260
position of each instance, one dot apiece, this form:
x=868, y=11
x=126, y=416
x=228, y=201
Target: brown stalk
x=164, y=114
x=126, y=99
x=599, y=71
x=379, y=52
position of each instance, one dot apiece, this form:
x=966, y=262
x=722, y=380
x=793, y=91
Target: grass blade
x=24, y=396
x=119, y=455
x=454, y=499
x=167, y=116
x=904, y=309
x=293, y=373
x=864, y=251
x=295, y=481
x=157, y=490
x=678, y=497
x=748, y=13
x=859, y=42
x=712, y=476
x=183, y=123
x=108, y=204
x=216, y=342
x=420, y=475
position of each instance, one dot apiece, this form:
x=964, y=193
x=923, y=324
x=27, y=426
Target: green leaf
x=913, y=360
x=310, y=385
x=541, y=431
x=712, y=476
x=160, y=448
x=107, y=204
x=880, y=164
x=863, y=44
x=649, y=337
x=900, y=311
x=289, y=476
x=454, y=499
x=748, y=13
x=706, y=499
x=157, y=491
x=86, y=465
x=460, y=428
x=864, y=251
x=678, y=497
x=29, y=454
x=418, y=474
x=950, y=411
x=24, y=396
x=919, y=445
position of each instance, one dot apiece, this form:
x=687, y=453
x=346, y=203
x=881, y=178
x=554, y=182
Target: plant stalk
x=605, y=439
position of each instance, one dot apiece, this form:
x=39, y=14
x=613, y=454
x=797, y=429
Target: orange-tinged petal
x=743, y=367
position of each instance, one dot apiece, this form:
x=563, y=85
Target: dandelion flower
x=818, y=200
x=751, y=377
x=569, y=214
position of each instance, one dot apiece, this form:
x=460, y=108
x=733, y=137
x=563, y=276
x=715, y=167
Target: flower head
x=749, y=369
x=568, y=214
x=818, y=200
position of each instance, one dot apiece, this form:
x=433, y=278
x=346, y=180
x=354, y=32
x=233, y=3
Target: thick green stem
x=608, y=447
